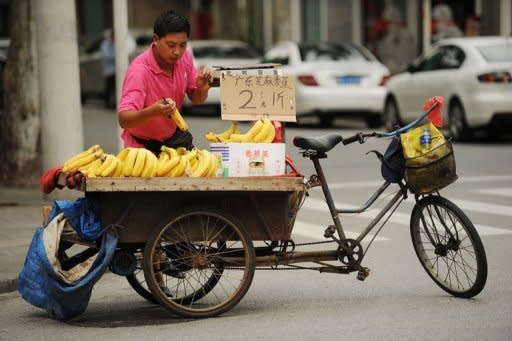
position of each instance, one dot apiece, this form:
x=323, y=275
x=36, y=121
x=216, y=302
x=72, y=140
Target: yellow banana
x=224, y=136
x=235, y=138
x=180, y=168
x=263, y=132
x=138, y=167
x=202, y=166
x=129, y=161
x=251, y=133
x=123, y=153
x=169, y=158
x=90, y=167
x=211, y=137
x=112, y=164
x=80, y=162
x=181, y=150
x=106, y=162
x=69, y=165
x=270, y=135
x=213, y=165
x=180, y=122
x=118, y=173
x=150, y=165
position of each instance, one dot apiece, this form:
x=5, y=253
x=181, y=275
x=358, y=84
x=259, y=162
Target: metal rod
x=286, y=258
x=370, y=201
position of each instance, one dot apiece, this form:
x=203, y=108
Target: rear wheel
x=138, y=282
x=448, y=246
x=200, y=264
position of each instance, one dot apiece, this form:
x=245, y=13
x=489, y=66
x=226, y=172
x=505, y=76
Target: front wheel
x=448, y=246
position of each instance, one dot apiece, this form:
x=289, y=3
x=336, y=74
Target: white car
x=212, y=53
x=333, y=80
x=473, y=74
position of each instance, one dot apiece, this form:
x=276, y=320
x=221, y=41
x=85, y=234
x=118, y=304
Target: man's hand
x=164, y=107
x=203, y=79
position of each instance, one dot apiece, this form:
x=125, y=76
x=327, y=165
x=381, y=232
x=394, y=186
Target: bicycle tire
x=448, y=246
x=138, y=282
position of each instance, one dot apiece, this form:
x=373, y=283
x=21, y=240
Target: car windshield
x=497, y=53
x=319, y=52
x=225, y=52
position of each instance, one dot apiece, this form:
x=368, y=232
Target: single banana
x=90, y=167
x=106, y=163
x=150, y=165
x=129, y=162
x=169, y=158
x=211, y=137
x=267, y=125
x=180, y=122
x=118, y=173
x=270, y=135
x=123, y=153
x=138, y=167
x=235, y=138
x=203, y=165
x=213, y=165
x=80, y=162
x=180, y=168
x=71, y=161
x=111, y=168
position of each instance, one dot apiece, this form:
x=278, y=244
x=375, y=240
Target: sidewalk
x=20, y=209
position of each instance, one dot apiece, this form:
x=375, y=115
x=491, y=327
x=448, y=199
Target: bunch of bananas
x=263, y=131
x=181, y=162
x=224, y=136
x=108, y=165
x=138, y=162
x=82, y=159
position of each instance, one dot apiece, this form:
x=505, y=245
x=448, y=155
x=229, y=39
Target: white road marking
x=482, y=207
x=315, y=231
x=504, y=192
x=376, y=184
x=403, y=218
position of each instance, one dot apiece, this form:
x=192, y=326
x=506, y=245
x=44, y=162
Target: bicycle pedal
x=329, y=231
x=363, y=273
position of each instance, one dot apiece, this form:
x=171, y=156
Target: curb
x=8, y=285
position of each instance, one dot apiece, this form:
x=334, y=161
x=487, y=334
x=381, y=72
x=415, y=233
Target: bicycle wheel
x=448, y=246
x=206, y=261
x=138, y=282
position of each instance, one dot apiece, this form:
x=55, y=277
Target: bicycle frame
x=335, y=212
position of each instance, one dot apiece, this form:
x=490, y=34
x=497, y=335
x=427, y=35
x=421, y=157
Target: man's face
x=170, y=47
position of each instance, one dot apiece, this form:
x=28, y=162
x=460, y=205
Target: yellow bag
x=427, y=168
x=411, y=141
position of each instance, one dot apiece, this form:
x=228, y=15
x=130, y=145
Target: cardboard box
x=250, y=159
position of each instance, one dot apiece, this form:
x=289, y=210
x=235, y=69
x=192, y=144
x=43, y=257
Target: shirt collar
x=152, y=63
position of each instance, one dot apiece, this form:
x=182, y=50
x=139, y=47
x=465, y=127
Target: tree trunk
x=20, y=161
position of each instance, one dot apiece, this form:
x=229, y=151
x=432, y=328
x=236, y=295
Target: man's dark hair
x=171, y=22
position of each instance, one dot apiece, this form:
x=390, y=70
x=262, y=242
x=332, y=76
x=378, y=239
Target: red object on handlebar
x=435, y=115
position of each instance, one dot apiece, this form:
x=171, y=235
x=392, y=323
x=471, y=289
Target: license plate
x=348, y=79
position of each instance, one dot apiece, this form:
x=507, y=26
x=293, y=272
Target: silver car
x=91, y=70
x=473, y=74
x=333, y=80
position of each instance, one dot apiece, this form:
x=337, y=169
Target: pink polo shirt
x=144, y=84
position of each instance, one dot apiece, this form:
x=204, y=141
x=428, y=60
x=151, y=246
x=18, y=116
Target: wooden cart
x=192, y=238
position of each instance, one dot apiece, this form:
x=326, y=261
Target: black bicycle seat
x=321, y=144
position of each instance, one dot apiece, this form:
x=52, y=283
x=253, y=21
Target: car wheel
x=391, y=114
x=374, y=121
x=459, y=130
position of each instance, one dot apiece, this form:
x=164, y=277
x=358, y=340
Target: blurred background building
x=394, y=30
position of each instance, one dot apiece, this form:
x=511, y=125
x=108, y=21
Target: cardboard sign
x=248, y=97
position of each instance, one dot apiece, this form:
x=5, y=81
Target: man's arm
x=134, y=118
x=199, y=94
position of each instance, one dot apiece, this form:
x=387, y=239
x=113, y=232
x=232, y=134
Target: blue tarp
x=39, y=284
x=83, y=214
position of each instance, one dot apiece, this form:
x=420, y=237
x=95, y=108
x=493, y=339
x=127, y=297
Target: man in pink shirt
x=155, y=85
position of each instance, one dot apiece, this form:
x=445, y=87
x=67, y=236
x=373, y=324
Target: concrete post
x=357, y=23
x=295, y=21
x=121, y=39
x=268, y=38
x=505, y=12
x=59, y=81
x=427, y=17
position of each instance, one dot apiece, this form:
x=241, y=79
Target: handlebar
x=361, y=137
